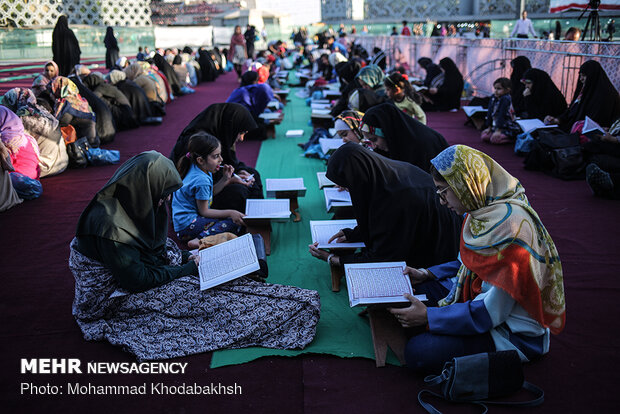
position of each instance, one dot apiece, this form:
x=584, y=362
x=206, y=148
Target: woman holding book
x=506, y=290
x=399, y=217
x=136, y=289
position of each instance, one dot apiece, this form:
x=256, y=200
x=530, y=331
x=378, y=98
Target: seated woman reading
x=400, y=137
x=398, y=214
x=506, y=291
x=121, y=246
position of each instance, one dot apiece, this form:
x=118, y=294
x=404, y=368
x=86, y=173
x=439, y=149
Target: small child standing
x=500, y=124
x=192, y=216
x=400, y=91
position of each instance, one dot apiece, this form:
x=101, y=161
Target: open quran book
x=373, y=283
x=274, y=185
x=323, y=230
x=336, y=198
x=227, y=261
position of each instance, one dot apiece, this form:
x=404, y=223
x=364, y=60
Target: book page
x=293, y=133
x=270, y=115
x=227, y=261
x=370, y=283
x=323, y=230
x=284, y=184
x=590, y=125
x=335, y=194
x=323, y=180
x=470, y=110
x=330, y=144
x=320, y=112
x=529, y=125
x=258, y=208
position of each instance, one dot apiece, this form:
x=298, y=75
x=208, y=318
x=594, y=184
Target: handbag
x=557, y=153
x=78, y=153
x=477, y=378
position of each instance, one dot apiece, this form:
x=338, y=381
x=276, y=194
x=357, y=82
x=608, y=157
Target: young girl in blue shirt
x=192, y=216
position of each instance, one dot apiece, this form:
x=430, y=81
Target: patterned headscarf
x=372, y=75
x=65, y=91
x=40, y=82
x=503, y=241
x=353, y=120
x=23, y=102
x=11, y=130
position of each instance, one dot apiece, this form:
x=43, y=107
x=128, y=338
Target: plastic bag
x=99, y=156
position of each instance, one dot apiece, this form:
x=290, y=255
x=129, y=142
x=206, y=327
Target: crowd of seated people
x=462, y=224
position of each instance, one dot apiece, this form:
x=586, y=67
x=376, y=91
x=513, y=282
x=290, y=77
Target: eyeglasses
x=442, y=193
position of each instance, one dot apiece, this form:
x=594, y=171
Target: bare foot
x=193, y=244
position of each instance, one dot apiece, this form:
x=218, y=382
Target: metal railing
x=481, y=61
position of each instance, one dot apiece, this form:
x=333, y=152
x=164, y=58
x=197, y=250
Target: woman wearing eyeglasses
x=506, y=291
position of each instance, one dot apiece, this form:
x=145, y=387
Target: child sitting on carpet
x=500, y=122
x=400, y=91
x=191, y=215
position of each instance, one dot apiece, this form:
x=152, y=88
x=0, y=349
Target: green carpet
x=341, y=331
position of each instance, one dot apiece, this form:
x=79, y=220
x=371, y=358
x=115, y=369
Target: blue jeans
x=203, y=227
x=428, y=352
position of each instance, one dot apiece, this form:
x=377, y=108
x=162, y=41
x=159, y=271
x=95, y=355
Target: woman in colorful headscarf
x=39, y=84
x=42, y=126
x=24, y=154
x=347, y=126
x=595, y=96
x=71, y=109
x=135, y=72
x=237, y=53
x=401, y=137
x=506, y=292
x=371, y=77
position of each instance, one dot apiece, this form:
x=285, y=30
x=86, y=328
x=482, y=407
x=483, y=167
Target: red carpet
x=578, y=375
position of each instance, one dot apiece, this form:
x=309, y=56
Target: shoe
x=599, y=181
x=153, y=120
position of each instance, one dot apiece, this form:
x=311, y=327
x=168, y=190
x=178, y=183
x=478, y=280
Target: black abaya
x=124, y=117
x=224, y=121
x=399, y=216
x=111, y=49
x=520, y=65
x=105, y=122
x=545, y=98
x=65, y=47
x=407, y=139
x=168, y=72
x=137, y=99
x=448, y=95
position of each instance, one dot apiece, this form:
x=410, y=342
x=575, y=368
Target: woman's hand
x=413, y=315
x=609, y=138
x=195, y=258
x=416, y=276
x=432, y=91
x=339, y=237
x=237, y=217
x=247, y=177
x=318, y=253
x=549, y=120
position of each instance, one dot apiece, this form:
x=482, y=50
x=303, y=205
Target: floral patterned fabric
x=503, y=241
x=179, y=319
